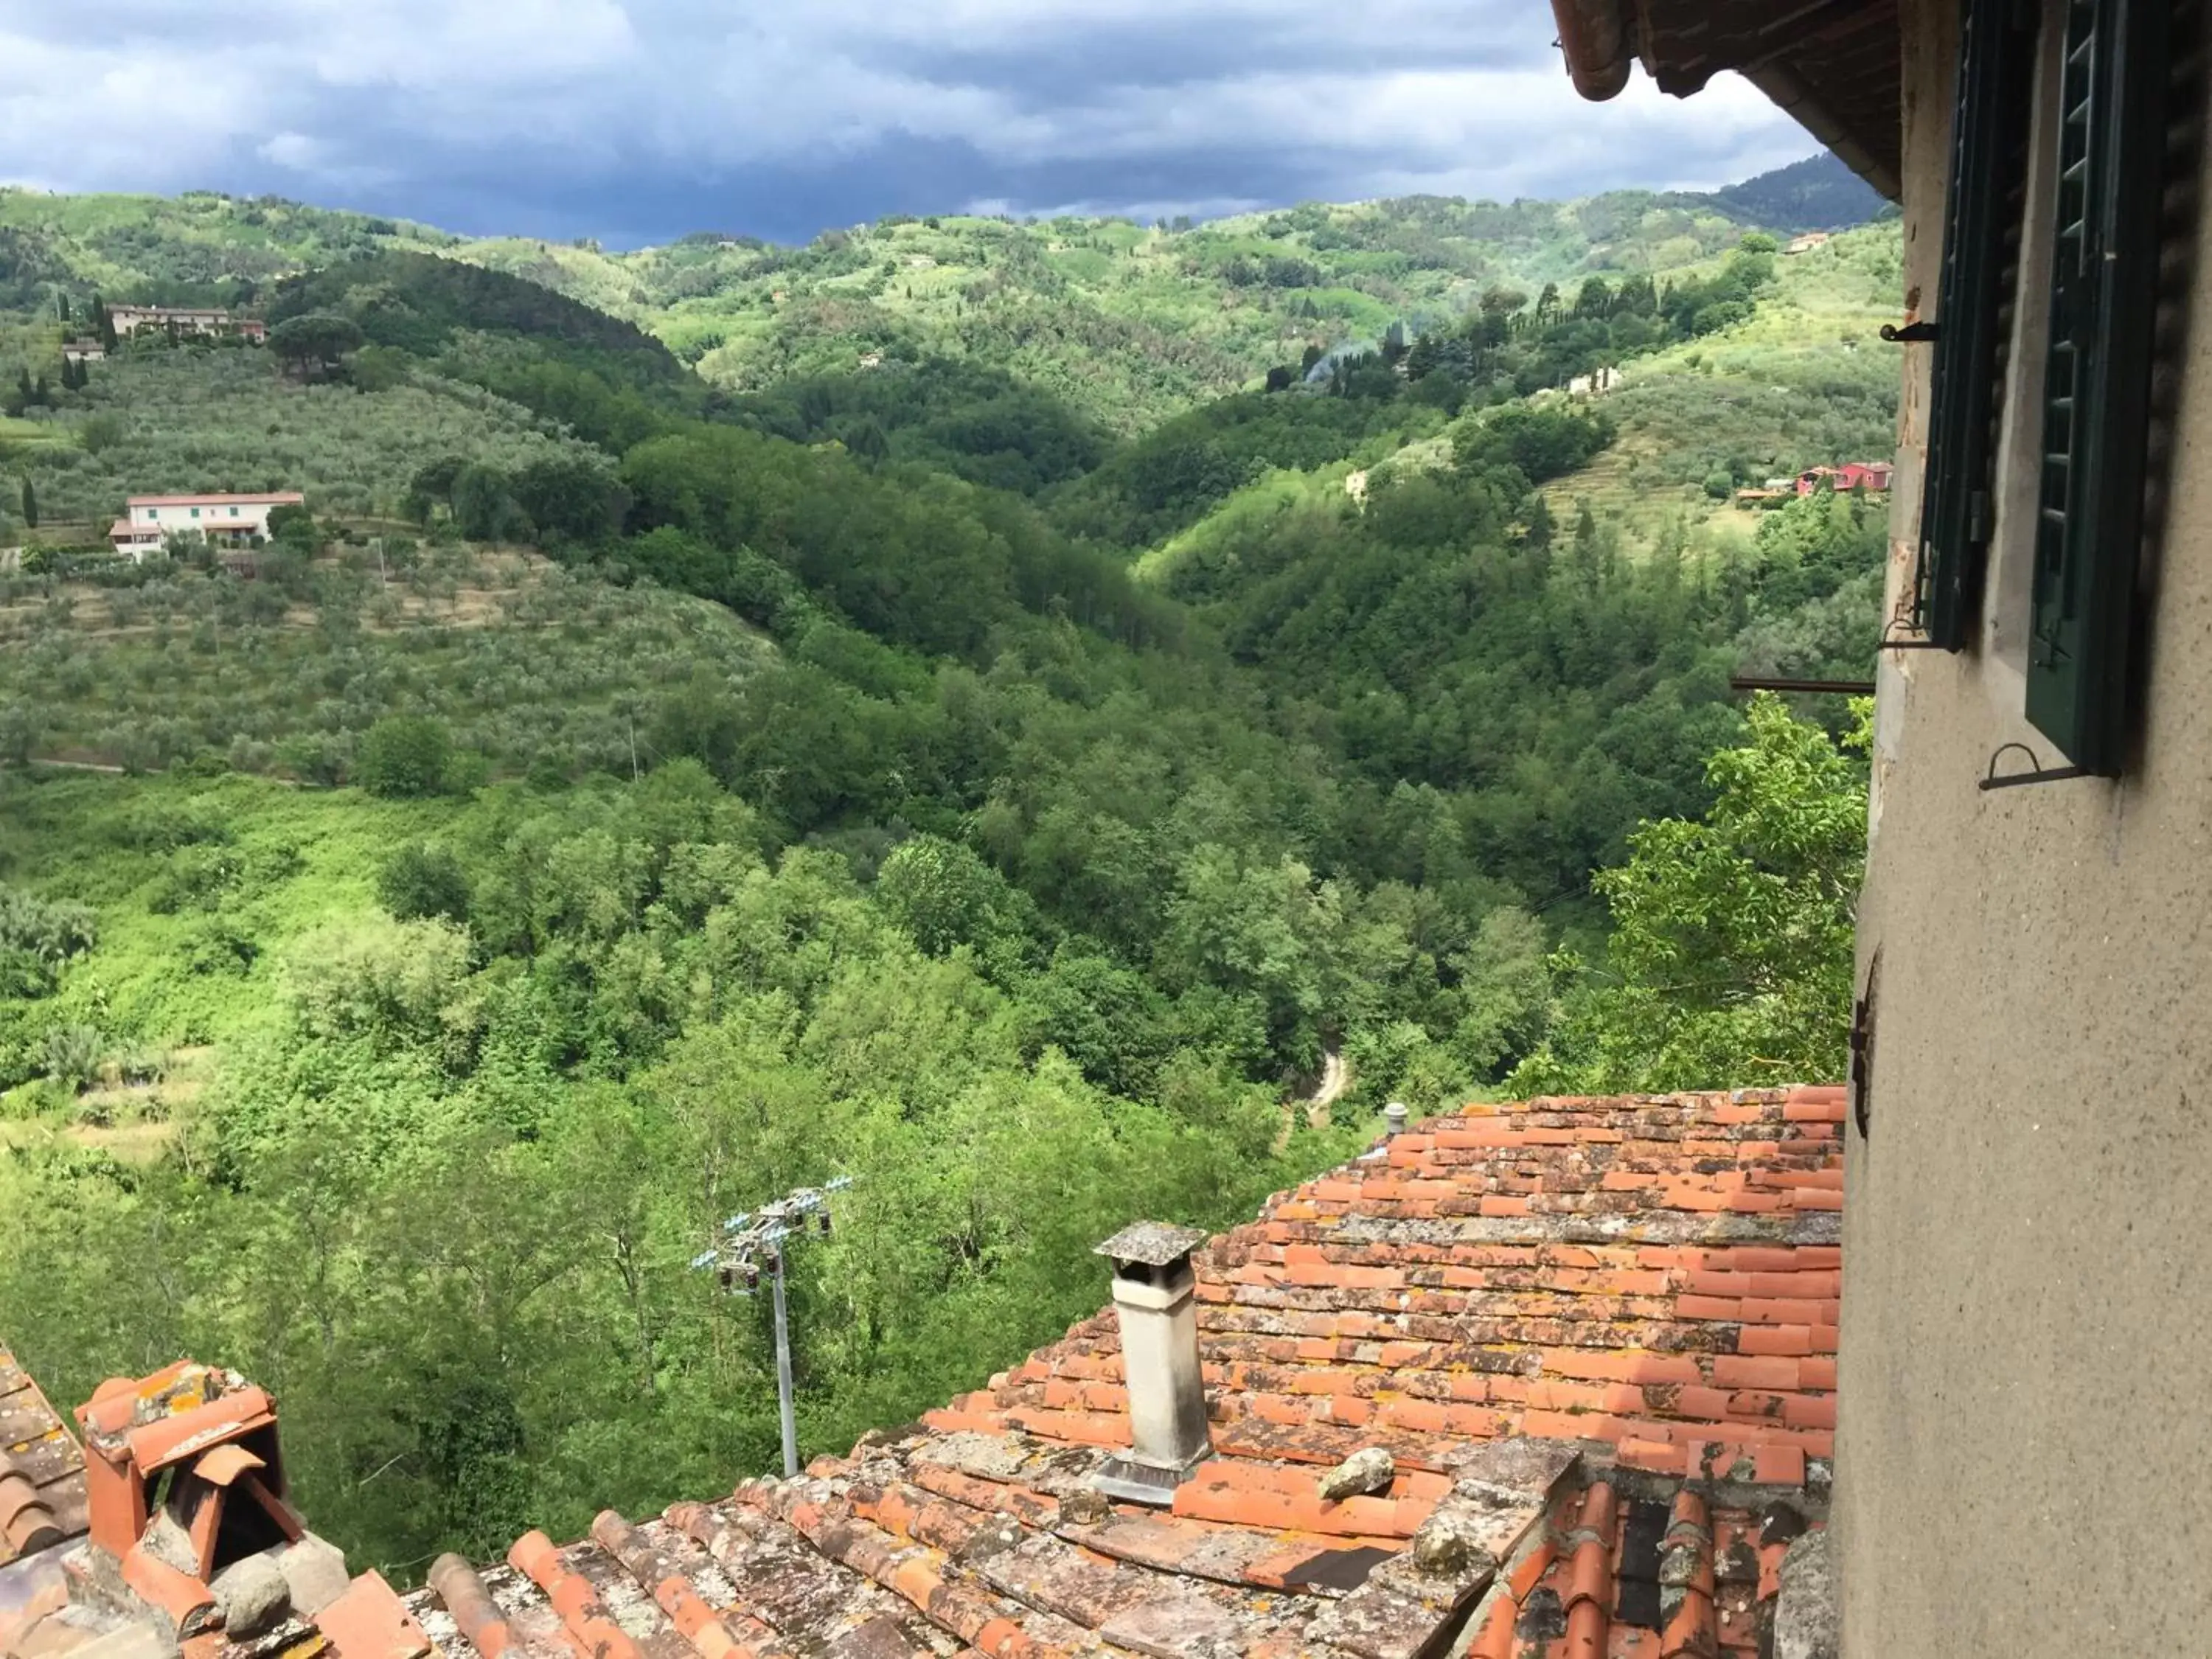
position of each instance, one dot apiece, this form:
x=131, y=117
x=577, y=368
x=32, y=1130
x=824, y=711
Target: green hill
x=1124, y=324
x=1818, y=193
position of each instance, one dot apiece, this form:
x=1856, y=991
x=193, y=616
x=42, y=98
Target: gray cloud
x=637, y=119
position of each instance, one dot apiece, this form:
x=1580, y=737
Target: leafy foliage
x=1732, y=934
x=405, y=755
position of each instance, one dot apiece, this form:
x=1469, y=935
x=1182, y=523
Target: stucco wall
x=2027, y=1312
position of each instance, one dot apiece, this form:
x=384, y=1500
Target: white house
x=1594, y=386
x=148, y=522
x=184, y=319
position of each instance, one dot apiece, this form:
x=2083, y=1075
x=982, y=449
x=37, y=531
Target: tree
x=30, y=506
x=484, y=509
x=422, y=881
x=1730, y=960
x=1538, y=535
x=568, y=498
x=945, y=895
x=404, y=755
x=295, y=526
x=315, y=346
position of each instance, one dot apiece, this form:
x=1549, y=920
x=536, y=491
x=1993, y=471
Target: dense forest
x=626, y=792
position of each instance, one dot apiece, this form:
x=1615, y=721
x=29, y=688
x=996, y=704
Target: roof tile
x=1639, y=1281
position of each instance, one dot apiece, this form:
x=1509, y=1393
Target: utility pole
x=735, y=1259
x=785, y=1415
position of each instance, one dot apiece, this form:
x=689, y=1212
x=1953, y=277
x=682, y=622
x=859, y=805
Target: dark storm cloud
x=636, y=120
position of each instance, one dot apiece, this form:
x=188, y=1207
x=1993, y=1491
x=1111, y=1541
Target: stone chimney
x=1155, y=1299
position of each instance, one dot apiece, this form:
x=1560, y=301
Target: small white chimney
x=1155, y=1297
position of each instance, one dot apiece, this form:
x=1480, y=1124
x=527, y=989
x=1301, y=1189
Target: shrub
x=72, y=1054
x=404, y=755
x=420, y=881
x=37, y=936
x=390, y=981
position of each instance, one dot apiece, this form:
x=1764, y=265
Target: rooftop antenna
x=757, y=1235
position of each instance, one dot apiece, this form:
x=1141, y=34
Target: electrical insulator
x=753, y=1276
x=727, y=1278
x=825, y=1220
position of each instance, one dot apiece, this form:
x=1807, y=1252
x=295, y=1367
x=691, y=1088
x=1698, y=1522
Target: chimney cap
x=1155, y=1243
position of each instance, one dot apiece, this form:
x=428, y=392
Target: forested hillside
x=1125, y=323
x=625, y=792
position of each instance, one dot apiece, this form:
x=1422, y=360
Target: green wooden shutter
x=1981, y=240
x=2104, y=294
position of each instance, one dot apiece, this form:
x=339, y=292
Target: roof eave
x=1593, y=37
x=1788, y=91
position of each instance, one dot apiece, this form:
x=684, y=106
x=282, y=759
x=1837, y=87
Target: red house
x=1873, y=476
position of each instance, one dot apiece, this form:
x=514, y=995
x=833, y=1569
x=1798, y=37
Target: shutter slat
x=2102, y=294
x=1989, y=143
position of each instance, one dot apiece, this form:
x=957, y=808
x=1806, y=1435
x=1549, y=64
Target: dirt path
x=1335, y=1078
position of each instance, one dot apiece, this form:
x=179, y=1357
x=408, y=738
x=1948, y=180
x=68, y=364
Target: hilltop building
x=1556, y=1371
x=83, y=351
x=2022, y=1433
x=1596, y=384
x=1806, y=243
x=199, y=320
x=148, y=521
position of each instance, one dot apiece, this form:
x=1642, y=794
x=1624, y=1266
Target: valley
x=994, y=709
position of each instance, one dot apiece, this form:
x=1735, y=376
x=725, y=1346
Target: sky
x=636, y=121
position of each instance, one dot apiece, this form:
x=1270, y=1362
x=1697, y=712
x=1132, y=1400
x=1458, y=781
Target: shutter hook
x=2037, y=772
x=1911, y=333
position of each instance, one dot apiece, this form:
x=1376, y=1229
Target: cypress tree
x=30, y=506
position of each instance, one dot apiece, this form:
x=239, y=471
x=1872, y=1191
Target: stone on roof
x=1154, y=1243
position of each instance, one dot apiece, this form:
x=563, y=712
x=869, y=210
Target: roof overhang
x=1833, y=64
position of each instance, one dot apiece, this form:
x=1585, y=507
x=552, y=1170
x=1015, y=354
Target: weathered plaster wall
x=2027, y=1315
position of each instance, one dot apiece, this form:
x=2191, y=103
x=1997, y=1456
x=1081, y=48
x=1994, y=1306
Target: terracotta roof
x=42, y=1500
x=1834, y=64
x=1597, y=1337
x=275, y=498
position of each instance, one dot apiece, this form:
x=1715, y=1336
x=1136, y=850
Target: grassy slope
x=308, y=857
